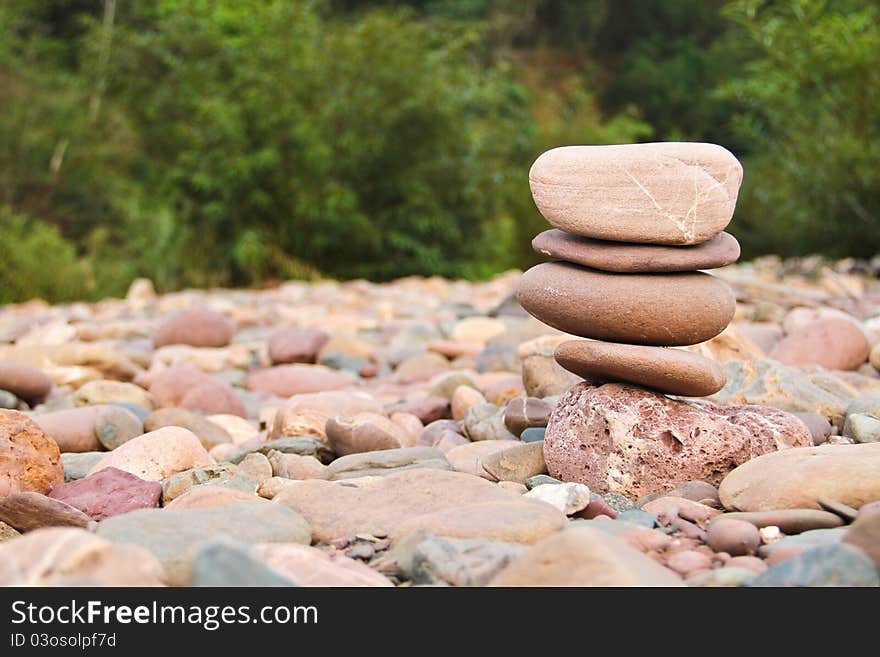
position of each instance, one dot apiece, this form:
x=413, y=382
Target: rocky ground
x=420, y=433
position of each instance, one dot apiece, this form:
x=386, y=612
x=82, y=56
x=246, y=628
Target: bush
x=36, y=261
x=808, y=106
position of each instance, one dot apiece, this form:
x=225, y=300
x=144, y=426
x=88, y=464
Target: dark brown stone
x=626, y=257
x=653, y=309
x=29, y=459
x=520, y=413
x=24, y=381
x=28, y=511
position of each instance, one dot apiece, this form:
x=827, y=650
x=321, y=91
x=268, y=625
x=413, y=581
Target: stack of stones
x=633, y=225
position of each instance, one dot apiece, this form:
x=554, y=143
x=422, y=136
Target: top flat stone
x=626, y=257
x=660, y=193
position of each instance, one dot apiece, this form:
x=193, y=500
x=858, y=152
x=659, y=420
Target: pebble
x=95, y=393
x=28, y=511
x=533, y=434
x=115, y=425
x=638, y=517
x=72, y=556
x=289, y=380
x=521, y=413
x=540, y=480
x=736, y=537
x=77, y=465
x=8, y=400
x=796, y=478
x=74, y=430
x=386, y=504
x=208, y=433
x=687, y=562
x=309, y=566
x=296, y=345
x=862, y=428
x=387, y=462
x=833, y=343
x=789, y=521
x=568, y=498
x=224, y=562
x=108, y=492
x=466, y=458
x=431, y=560
x=186, y=386
x=224, y=475
x=583, y=556
x=157, y=455
x=819, y=426
x=728, y=576
x=864, y=533
x=197, y=327
x=485, y=422
x=517, y=463
x=364, y=432
x=831, y=565
x=464, y=398
x=172, y=535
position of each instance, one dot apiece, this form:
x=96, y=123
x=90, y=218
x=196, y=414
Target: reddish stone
x=296, y=345
x=109, y=492
x=427, y=409
x=24, y=381
x=187, y=386
x=289, y=380
x=833, y=343
x=197, y=327
x=29, y=459
x=632, y=441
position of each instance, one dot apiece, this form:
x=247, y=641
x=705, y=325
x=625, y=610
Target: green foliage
x=808, y=105
x=38, y=261
x=373, y=148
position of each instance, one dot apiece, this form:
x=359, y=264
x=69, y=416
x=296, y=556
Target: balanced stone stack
x=634, y=227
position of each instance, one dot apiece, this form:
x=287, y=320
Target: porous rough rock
x=29, y=459
x=157, y=455
x=67, y=556
x=631, y=441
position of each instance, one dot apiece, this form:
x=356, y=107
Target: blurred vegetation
x=222, y=142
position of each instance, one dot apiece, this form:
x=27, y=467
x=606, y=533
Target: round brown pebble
x=736, y=537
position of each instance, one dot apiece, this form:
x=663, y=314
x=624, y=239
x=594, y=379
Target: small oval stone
x=673, y=371
x=736, y=537
x=115, y=425
x=653, y=309
x=24, y=381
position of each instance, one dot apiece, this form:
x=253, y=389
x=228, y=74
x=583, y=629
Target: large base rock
x=632, y=441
